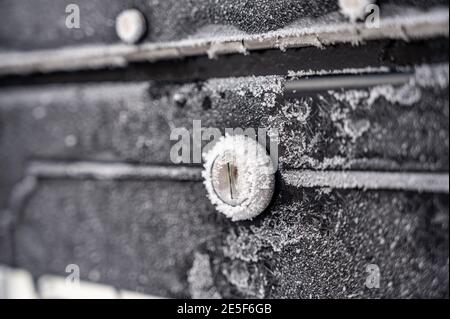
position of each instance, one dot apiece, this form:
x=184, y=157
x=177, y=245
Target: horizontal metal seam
x=425, y=25
x=367, y=180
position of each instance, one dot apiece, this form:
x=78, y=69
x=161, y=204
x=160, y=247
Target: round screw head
x=239, y=177
x=131, y=26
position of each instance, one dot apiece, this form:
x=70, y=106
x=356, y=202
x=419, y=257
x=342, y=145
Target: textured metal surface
x=150, y=236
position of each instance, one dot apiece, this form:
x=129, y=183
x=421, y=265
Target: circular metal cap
x=239, y=177
x=130, y=26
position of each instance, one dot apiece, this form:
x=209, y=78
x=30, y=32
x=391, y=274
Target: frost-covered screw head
x=130, y=26
x=354, y=9
x=239, y=177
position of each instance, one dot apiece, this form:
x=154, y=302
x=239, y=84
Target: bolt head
x=131, y=26
x=239, y=177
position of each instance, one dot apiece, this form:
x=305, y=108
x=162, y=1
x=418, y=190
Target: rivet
x=239, y=177
x=70, y=140
x=131, y=26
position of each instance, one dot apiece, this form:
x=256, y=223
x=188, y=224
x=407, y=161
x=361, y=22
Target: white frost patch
x=299, y=142
x=218, y=48
x=296, y=110
x=434, y=182
x=355, y=129
x=352, y=97
x=405, y=95
x=257, y=86
x=432, y=75
x=425, y=76
x=366, y=70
